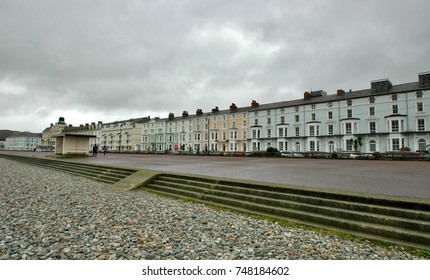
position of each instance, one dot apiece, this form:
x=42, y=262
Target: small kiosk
x=72, y=144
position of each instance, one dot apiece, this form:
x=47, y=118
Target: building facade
x=48, y=139
x=23, y=141
x=215, y=131
x=123, y=136
x=383, y=118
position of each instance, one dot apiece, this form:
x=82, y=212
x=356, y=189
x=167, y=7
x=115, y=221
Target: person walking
x=104, y=149
x=95, y=149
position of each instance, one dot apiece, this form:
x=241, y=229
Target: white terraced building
x=385, y=117
x=23, y=141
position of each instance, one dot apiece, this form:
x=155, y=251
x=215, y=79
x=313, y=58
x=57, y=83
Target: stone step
x=317, y=208
x=394, y=220
x=368, y=206
x=402, y=203
x=99, y=173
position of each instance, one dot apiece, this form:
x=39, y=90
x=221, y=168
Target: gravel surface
x=52, y=215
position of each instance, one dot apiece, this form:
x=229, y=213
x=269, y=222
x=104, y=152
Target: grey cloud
x=121, y=58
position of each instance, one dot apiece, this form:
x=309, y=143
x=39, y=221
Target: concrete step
x=240, y=192
x=400, y=221
x=315, y=207
x=99, y=173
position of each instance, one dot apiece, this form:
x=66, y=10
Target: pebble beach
x=48, y=215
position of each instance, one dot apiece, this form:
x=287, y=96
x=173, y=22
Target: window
x=282, y=119
x=372, y=99
x=331, y=146
x=329, y=104
x=268, y=112
x=372, y=145
x=312, y=146
x=349, y=102
x=297, y=146
x=349, y=144
x=313, y=116
x=419, y=94
x=330, y=115
x=281, y=132
x=396, y=144
x=394, y=97
x=297, y=131
x=421, y=125
x=372, y=111
x=313, y=106
x=348, y=128
x=395, y=126
x=372, y=127
x=233, y=134
x=269, y=120
x=297, y=118
x=311, y=130
x=349, y=113
x=244, y=123
x=395, y=109
x=422, y=145
x=269, y=133
x=256, y=122
x=330, y=129
x=281, y=146
x=420, y=107
x=296, y=108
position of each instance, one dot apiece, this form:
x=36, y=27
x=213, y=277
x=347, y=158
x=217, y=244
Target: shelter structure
x=72, y=144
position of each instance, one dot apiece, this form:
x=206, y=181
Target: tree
x=357, y=144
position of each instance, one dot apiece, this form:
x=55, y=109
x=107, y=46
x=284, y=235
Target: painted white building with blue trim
x=385, y=117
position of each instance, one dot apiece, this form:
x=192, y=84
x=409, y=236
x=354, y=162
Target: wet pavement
x=397, y=178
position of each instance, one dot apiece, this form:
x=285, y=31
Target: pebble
x=53, y=215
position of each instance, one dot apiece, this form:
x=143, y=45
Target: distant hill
x=6, y=133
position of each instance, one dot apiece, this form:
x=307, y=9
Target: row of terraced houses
x=385, y=117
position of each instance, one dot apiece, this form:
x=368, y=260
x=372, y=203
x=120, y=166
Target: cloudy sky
x=108, y=60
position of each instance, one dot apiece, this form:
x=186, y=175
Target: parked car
x=318, y=155
x=407, y=155
x=291, y=154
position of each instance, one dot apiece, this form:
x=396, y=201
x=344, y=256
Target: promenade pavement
x=395, y=178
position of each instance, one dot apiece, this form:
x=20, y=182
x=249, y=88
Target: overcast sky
x=109, y=60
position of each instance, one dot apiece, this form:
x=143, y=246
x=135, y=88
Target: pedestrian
x=95, y=148
x=104, y=149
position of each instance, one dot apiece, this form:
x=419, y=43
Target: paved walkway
x=398, y=178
